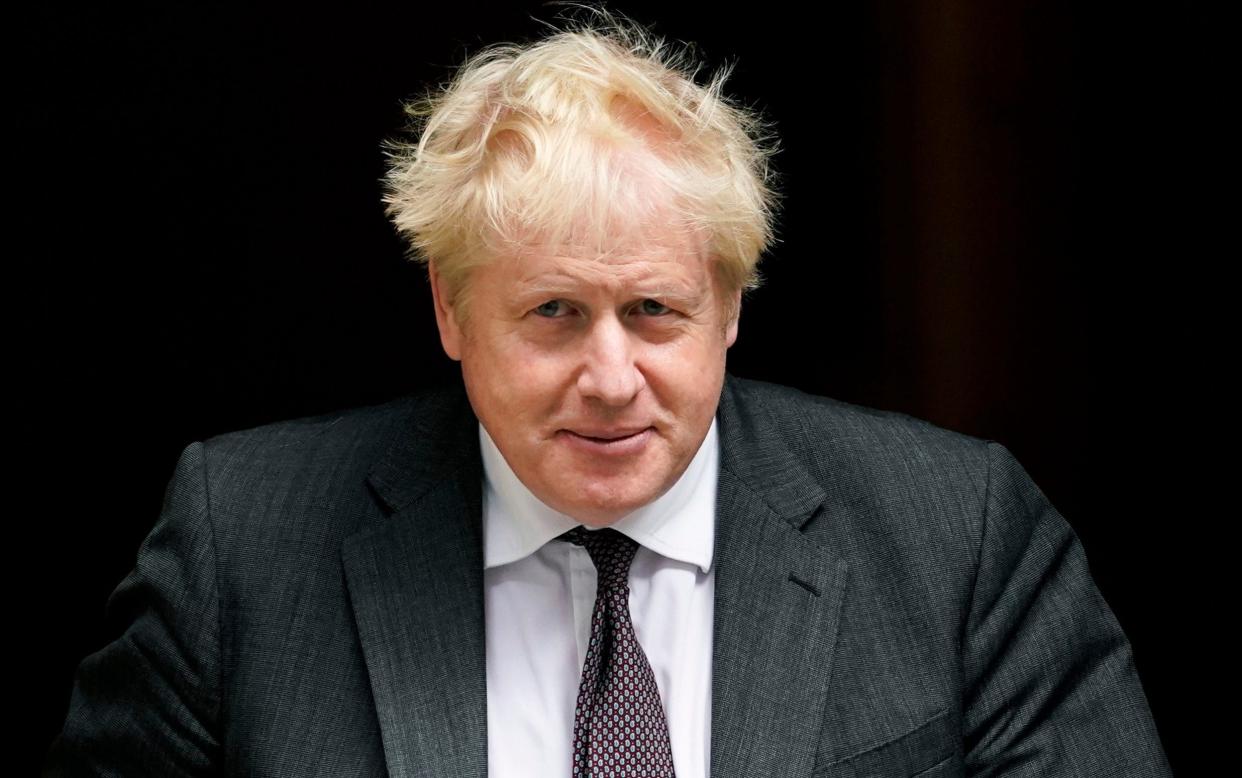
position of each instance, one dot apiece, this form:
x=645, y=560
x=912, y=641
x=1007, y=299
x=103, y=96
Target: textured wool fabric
x=619, y=725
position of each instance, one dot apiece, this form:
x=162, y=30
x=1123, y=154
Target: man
x=601, y=555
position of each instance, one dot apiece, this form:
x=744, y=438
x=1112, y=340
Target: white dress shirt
x=539, y=595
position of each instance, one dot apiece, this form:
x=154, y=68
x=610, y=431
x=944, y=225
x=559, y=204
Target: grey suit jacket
x=892, y=599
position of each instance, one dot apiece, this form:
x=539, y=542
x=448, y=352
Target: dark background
x=201, y=247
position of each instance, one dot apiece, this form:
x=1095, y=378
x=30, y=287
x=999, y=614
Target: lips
x=606, y=442
x=606, y=435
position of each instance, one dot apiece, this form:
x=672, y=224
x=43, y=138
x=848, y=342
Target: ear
x=735, y=307
x=446, y=317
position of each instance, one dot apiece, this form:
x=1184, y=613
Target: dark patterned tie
x=619, y=725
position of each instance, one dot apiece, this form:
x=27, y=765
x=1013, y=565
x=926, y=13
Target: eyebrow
x=677, y=292
x=557, y=287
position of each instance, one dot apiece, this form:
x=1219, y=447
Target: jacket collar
x=778, y=599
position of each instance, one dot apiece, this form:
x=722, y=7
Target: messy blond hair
x=594, y=137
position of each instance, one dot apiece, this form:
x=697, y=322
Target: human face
x=597, y=377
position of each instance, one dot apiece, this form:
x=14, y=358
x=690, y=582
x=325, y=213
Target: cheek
x=690, y=361
x=515, y=385
x=686, y=380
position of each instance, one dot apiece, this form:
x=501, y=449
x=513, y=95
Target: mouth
x=608, y=441
x=607, y=436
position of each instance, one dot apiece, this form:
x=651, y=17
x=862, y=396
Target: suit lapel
x=415, y=583
x=777, y=603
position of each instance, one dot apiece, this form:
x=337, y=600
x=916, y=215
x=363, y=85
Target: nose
x=609, y=372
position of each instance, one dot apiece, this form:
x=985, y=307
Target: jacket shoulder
x=312, y=465
x=307, y=439
x=906, y=468
x=815, y=420
x=326, y=439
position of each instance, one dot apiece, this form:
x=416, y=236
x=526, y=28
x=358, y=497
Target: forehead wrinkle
x=662, y=276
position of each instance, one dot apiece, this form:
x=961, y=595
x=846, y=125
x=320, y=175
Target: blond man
x=600, y=554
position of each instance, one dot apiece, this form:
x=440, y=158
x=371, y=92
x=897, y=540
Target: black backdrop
x=201, y=248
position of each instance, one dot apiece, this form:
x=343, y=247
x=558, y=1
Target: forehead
x=672, y=259
x=606, y=268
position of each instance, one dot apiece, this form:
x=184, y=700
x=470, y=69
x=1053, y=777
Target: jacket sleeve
x=148, y=702
x=1050, y=686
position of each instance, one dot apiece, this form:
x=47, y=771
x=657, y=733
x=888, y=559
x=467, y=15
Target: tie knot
x=611, y=551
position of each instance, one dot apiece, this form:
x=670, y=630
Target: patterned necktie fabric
x=619, y=724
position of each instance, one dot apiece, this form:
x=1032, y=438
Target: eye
x=552, y=309
x=651, y=307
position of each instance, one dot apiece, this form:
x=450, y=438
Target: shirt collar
x=679, y=524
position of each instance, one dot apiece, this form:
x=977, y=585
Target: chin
x=598, y=521
x=606, y=509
